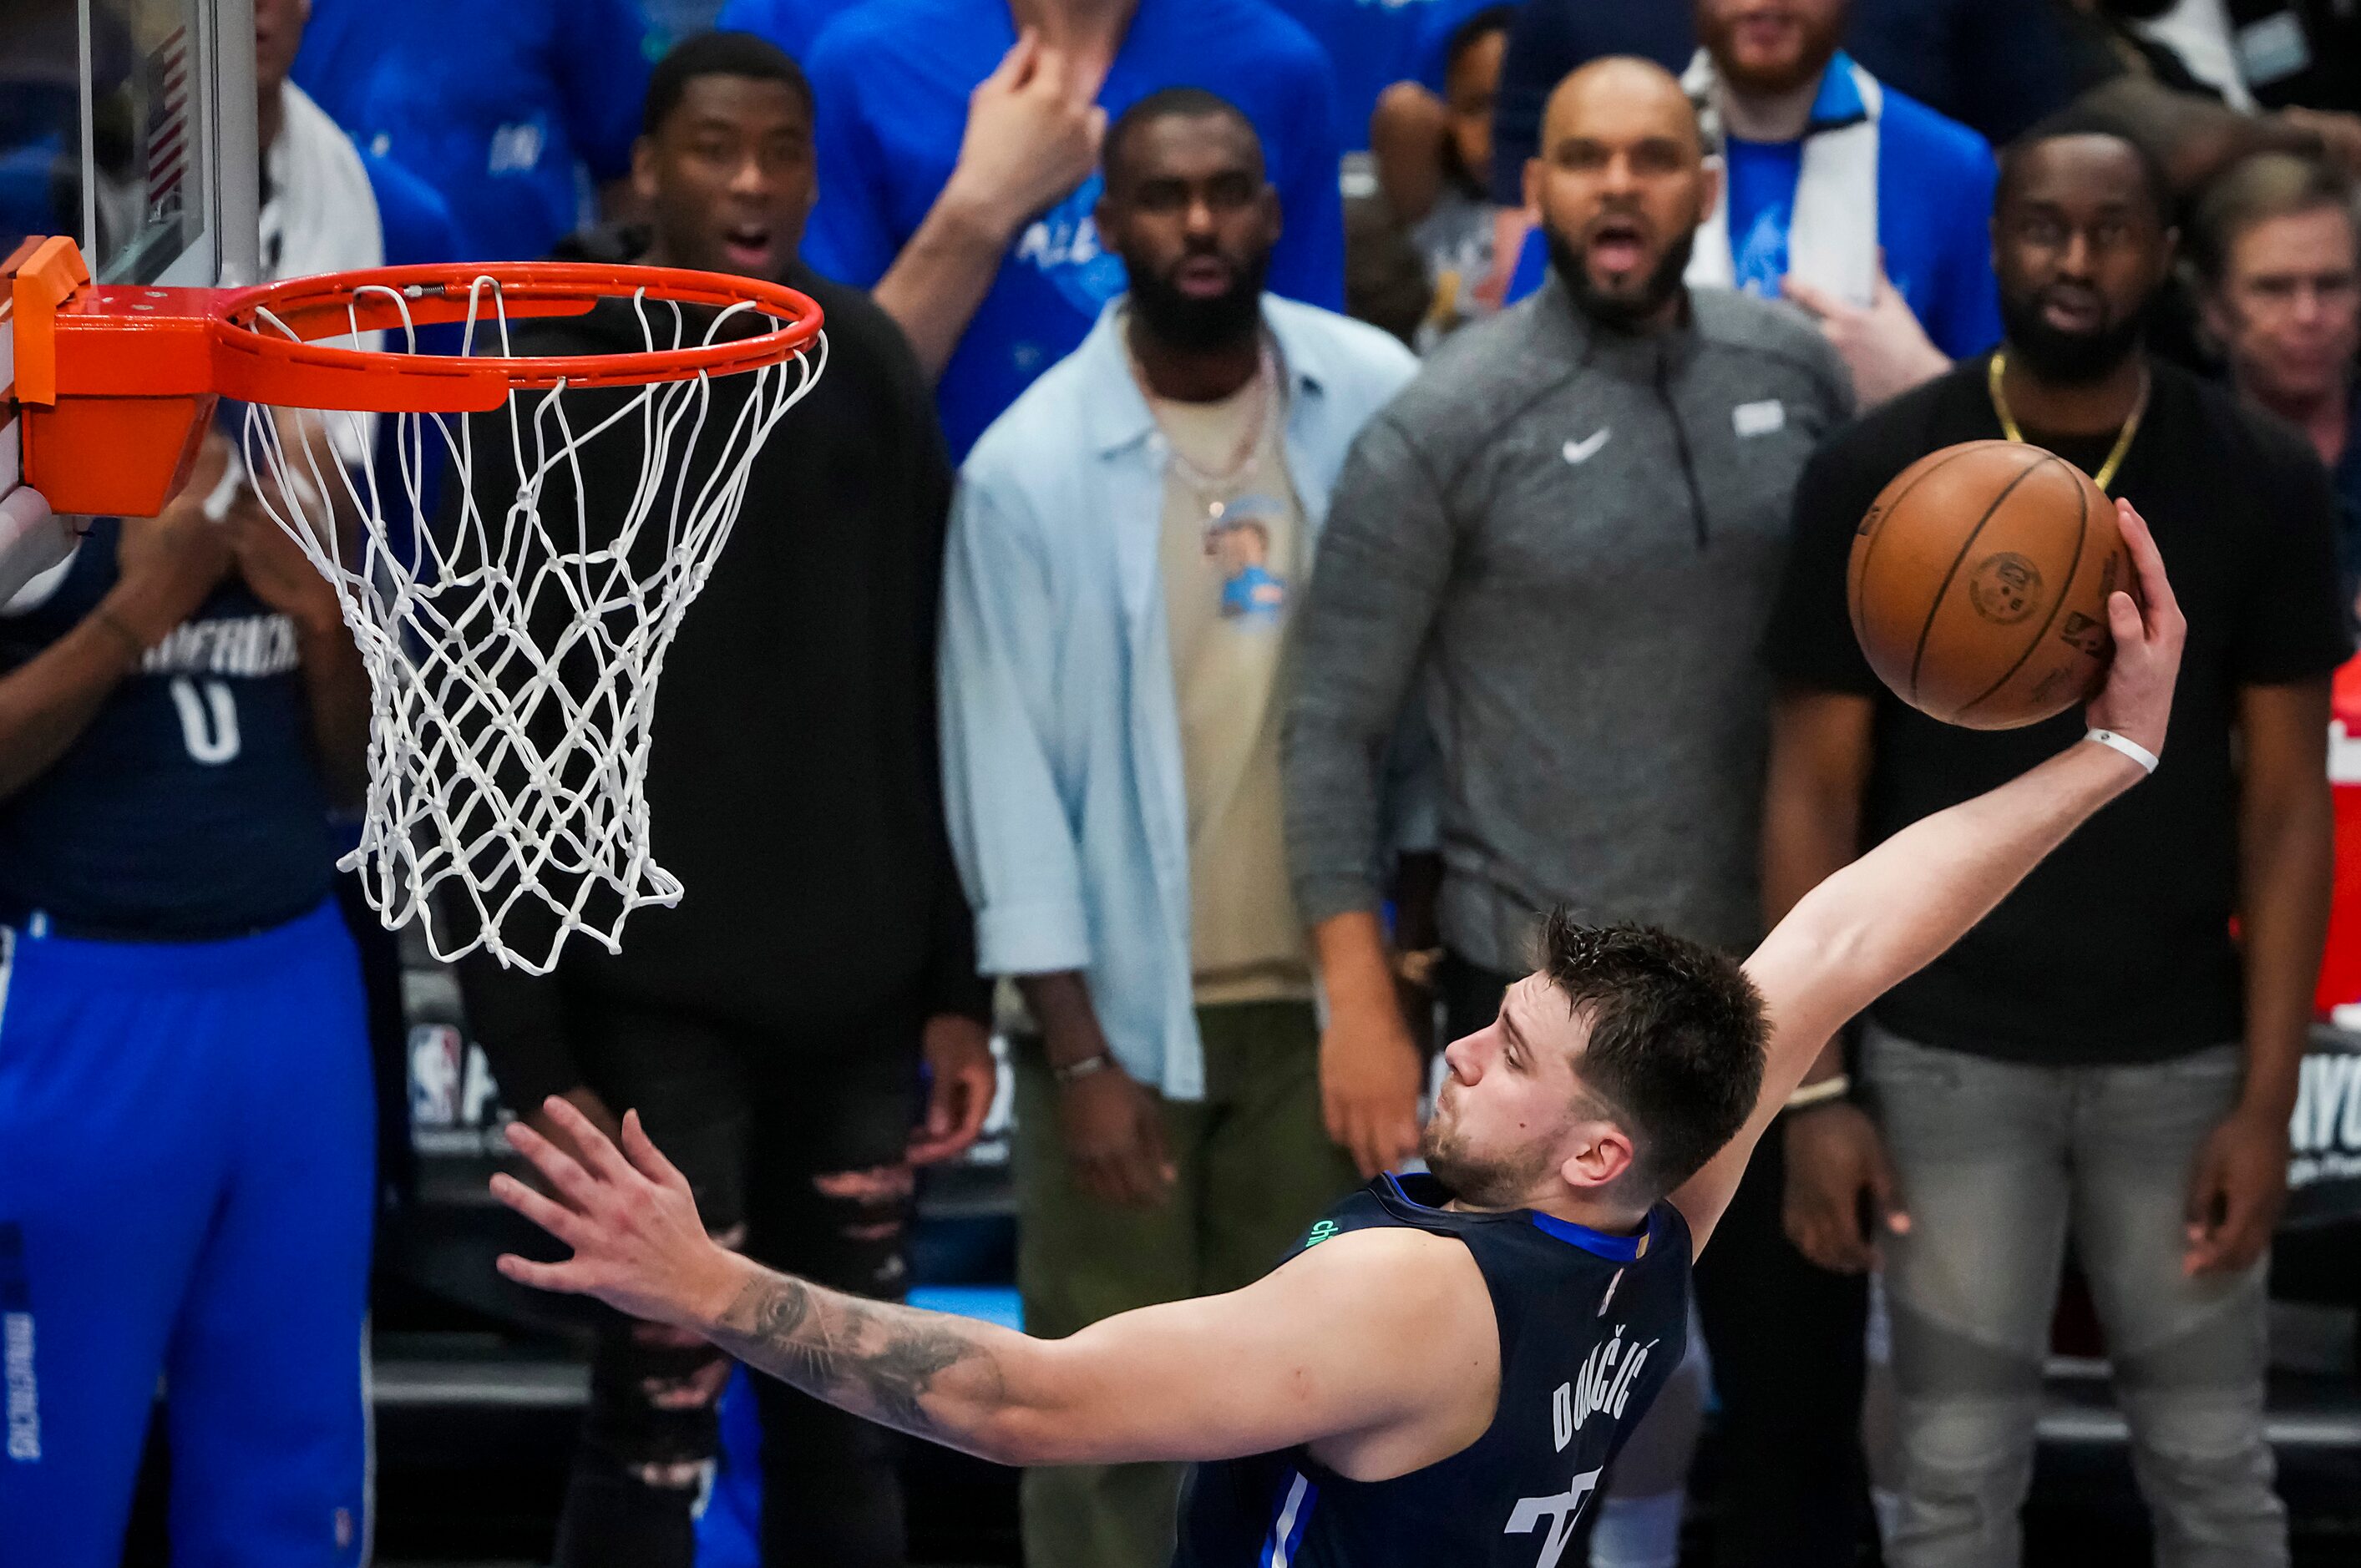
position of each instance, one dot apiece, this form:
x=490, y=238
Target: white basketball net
x=513, y=654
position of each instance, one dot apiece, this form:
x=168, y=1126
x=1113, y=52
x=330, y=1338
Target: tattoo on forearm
x=877, y=1359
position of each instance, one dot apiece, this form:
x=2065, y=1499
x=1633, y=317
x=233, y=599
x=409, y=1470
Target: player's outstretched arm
x=1891, y=912
x=1384, y=1334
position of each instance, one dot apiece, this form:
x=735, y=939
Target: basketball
x=1979, y=585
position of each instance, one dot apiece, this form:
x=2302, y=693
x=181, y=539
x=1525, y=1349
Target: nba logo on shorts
x=23, y=1400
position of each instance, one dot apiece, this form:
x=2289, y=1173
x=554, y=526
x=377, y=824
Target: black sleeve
x=518, y=1018
x=952, y=982
x=520, y=1021
x=2291, y=625
x=1810, y=641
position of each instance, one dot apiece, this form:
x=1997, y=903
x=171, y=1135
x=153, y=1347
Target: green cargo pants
x=1255, y=1167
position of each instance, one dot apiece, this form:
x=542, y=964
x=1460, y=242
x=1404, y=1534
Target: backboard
x=127, y=126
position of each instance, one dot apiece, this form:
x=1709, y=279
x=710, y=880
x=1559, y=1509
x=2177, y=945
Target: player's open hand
x=2136, y=702
x=303, y=488
x=629, y=1216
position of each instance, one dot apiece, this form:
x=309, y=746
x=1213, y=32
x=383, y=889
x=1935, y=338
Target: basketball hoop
x=514, y=643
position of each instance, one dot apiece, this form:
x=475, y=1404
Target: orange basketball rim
x=113, y=383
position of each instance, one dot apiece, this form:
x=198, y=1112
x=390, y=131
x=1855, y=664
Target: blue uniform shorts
x=186, y=1167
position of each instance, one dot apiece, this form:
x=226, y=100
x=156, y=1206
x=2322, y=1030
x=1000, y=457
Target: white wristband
x=2127, y=746
x=1806, y=1095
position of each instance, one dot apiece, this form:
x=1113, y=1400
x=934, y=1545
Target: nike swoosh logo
x=1583, y=451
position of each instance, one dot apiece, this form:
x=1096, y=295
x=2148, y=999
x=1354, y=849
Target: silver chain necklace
x=1211, y=487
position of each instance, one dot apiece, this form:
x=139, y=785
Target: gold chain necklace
x=2106, y=474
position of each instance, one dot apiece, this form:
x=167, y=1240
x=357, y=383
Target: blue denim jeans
x=1998, y=1163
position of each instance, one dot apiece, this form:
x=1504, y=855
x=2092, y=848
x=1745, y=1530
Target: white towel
x=320, y=214
x=1832, y=238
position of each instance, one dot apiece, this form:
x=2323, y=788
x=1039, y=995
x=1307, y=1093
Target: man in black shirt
x=2103, y=1047
x=772, y=1027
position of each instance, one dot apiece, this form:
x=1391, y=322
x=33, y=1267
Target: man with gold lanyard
x=2114, y=1051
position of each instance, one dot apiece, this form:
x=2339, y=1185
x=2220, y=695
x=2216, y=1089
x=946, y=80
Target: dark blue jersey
x=1590, y=1326
x=191, y=807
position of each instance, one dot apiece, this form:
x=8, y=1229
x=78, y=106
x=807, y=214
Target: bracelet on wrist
x=1065, y=1073
x=1827, y=1091
x=2124, y=744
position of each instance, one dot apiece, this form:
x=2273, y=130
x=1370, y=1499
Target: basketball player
x=186, y=1157
x=1443, y=1368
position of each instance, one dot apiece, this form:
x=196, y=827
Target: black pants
x=1788, y=1362
x=795, y=1148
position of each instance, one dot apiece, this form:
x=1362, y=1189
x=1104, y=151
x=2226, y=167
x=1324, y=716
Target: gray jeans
x=1997, y=1162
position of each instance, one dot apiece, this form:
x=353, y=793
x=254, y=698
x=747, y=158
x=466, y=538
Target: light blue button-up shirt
x=1061, y=734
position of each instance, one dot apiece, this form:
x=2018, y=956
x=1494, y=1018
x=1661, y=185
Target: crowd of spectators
x=1241, y=682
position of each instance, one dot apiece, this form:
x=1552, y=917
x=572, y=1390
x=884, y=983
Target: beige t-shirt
x=1233, y=557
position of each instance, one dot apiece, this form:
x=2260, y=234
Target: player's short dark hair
x=717, y=54
x=2088, y=120
x=1677, y=1034
x=1482, y=25
x=1171, y=103
x=2254, y=191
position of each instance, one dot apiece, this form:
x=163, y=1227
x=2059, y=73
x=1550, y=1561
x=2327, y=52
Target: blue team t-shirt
x=497, y=107
x=1761, y=176
x=794, y=25
x=893, y=77
x=414, y=221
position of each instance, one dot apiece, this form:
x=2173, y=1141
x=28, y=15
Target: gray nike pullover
x=1569, y=537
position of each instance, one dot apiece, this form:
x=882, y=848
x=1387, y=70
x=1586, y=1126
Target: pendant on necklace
x=1213, y=510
